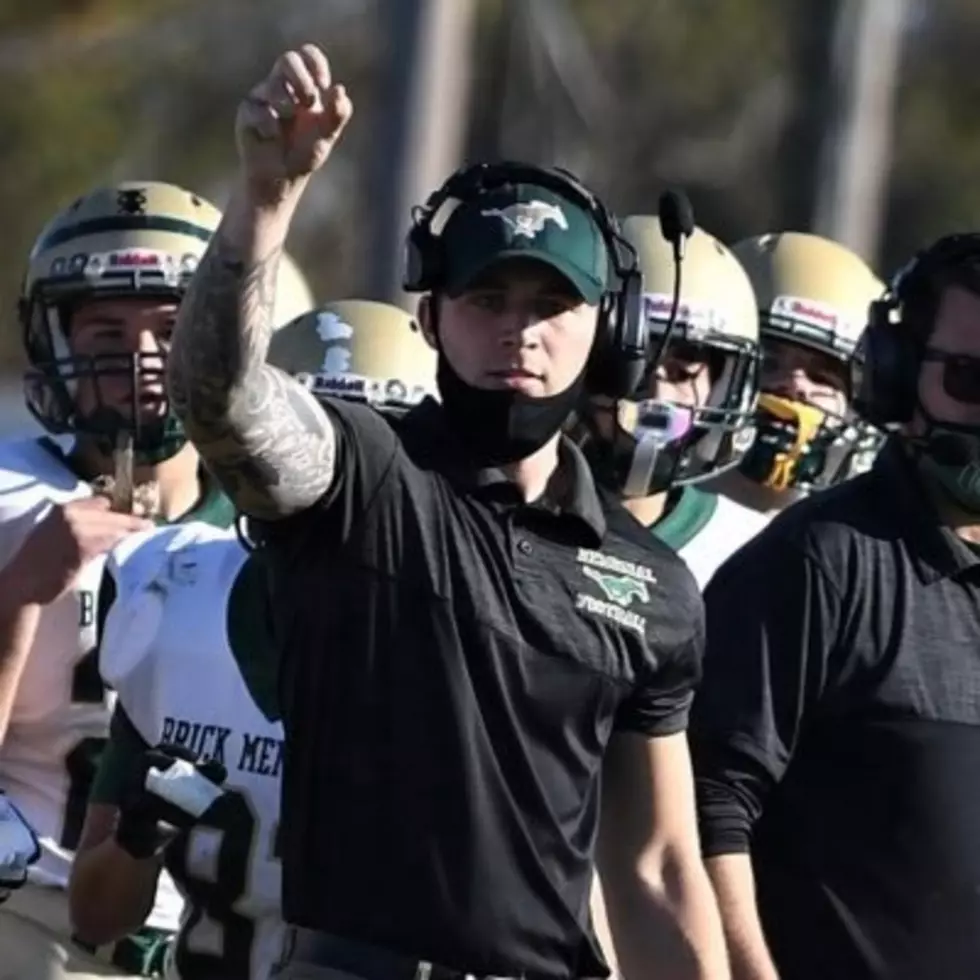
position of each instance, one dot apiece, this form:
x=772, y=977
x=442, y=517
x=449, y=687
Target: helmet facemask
x=804, y=446
x=56, y=374
x=658, y=443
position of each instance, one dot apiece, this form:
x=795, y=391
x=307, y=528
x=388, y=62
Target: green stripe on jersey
x=690, y=512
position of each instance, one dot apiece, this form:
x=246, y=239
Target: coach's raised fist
x=289, y=123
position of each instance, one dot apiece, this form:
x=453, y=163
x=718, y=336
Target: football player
x=691, y=419
x=98, y=304
x=210, y=691
x=693, y=415
x=813, y=297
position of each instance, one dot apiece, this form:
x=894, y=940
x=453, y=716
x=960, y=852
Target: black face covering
x=499, y=427
x=949, y=455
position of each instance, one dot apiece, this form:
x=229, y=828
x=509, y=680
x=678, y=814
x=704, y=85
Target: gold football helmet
x=816, y=293
x=659, y=443
x=134, y=239
x=360, y=351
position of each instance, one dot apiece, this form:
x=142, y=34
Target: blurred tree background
x=731, y=99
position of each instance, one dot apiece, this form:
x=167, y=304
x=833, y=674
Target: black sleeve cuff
x=723, y=821
x=732, y=784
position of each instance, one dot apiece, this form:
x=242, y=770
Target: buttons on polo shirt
x=524, y=546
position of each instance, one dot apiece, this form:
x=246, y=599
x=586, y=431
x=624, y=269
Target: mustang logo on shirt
x=621, y=589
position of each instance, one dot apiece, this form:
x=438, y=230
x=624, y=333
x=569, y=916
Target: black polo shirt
x=838, y=730
x=454, y=662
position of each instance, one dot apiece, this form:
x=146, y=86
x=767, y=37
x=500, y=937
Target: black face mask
x=499, y=427
x=949, y=455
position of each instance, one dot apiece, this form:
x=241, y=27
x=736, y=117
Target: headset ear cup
x=885, y=378
x=413, y=277
x=600, y=373
x=909, y=353
x=616, y=368
x=421, y=259
x=622, y=346
x=595, y=366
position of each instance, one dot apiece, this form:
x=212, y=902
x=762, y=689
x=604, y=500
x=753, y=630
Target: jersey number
x=215, y=941
x=86, y=688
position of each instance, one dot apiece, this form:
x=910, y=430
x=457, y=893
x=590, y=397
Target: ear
x=426, y=314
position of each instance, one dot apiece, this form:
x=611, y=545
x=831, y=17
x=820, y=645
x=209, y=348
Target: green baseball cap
x=525, y=221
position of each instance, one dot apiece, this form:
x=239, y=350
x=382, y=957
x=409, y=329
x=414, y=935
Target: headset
x=885, y=367
x=619, y=355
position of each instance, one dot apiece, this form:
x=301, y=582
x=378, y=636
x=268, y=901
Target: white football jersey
x=188, y=616
x=61, y=712
x=706, y=528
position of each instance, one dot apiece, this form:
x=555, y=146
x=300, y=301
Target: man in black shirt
x=837, y=732
x=465, y=624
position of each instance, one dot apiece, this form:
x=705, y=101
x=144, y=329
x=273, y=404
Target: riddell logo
x=695, y=316
x=655, y=303
x=815, y=314
x=135, y=260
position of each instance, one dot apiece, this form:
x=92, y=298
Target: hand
x=171, y=791
x=62, y=544
x=287, y=126
x=19, y=848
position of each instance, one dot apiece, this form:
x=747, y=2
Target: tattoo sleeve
x=265, y=438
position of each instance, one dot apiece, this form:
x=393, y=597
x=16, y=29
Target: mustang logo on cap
x=528, y=219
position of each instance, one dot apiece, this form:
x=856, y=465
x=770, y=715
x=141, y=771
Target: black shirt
x=453, y=664
x=838, y=729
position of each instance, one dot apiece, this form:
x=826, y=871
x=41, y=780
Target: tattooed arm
x=265, y=438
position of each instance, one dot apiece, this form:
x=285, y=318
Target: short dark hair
x=921, y=303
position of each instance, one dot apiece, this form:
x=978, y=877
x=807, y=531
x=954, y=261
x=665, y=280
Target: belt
x=368, y=962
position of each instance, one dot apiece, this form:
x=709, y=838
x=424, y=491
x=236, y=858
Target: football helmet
x=134, y=239
x=659, y=443
x=358, y=350
x=816, y=293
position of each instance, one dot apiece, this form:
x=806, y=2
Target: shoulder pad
x=140, y=559
x=32, y=473
x=751, y=520
x=142, y=566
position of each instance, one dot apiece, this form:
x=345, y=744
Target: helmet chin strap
x=124, y=485
x=652, y=425
x=640, y=473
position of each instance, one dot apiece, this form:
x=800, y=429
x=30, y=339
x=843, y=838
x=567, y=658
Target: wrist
x=271, y=197
x=139, y=836
x=257, y=218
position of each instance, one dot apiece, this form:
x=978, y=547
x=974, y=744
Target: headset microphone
x=676, y=220
x=676, y=225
